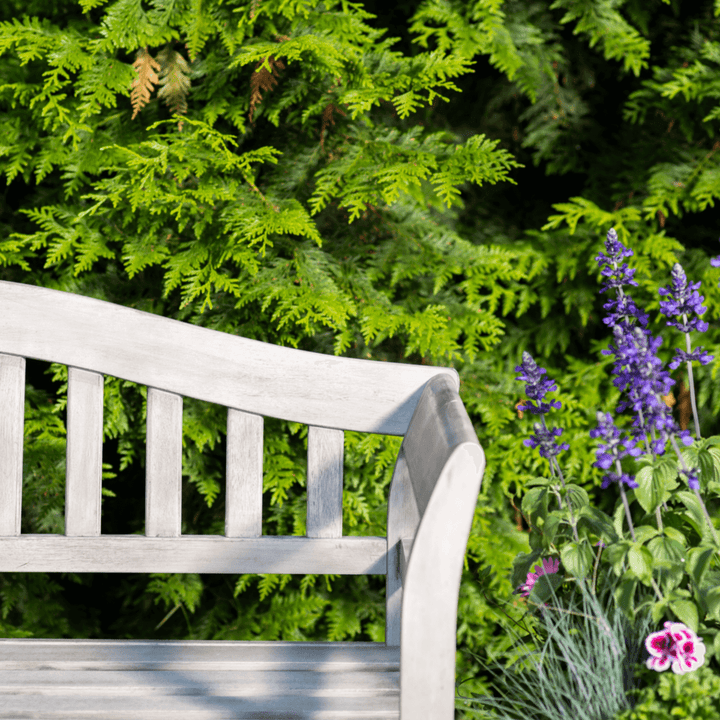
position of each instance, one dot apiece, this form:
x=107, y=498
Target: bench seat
x=198, y=680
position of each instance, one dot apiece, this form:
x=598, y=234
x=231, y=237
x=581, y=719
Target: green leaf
x=544, y=587
x=698, y=562
x=650, y=492
x=599, y=523
x=625, y=594
x=535, y=504
x=521, y=566
x=658, y=610
x=577, y=558
x=616, y=555
x=641, y=562
x=578, y=496
x=694, y=512
x=712, y=600
x=644, y=532
x=687, y=613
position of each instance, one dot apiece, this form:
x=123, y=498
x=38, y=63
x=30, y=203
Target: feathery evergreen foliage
x=283, y=171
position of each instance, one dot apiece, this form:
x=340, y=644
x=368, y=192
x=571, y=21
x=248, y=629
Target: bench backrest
x=436, y=481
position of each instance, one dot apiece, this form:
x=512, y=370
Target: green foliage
x=313, y=193
x=670, y=696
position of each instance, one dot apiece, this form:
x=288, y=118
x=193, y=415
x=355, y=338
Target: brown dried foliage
x=146, y=67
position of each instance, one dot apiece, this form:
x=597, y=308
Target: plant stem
x=625, y=502
x=553, y=466
x=692, y=384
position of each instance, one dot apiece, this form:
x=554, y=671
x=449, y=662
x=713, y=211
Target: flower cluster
x=536, y=388
x=685, y=301
x=638, y=370
x=609, y=453
x=676, y=645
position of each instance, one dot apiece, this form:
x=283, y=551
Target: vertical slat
x=163, y=464
x=83, y=464
x=402, y=524
x=324, y=482
x=243, y=474
x=12, y=417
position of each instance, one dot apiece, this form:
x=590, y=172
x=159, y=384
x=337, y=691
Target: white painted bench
x=431, y=505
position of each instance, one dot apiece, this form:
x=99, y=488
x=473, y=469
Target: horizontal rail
x=349, y=555
x=184, y=359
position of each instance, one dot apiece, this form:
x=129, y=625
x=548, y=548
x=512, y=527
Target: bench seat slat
x=199, y=680
x=29, y=653
x=201, y=707
x=349, y=555
x=186, y=682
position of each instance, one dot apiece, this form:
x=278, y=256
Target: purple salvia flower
x=609, y=452
x=537, y=386
x=684, y=300
x=618, y=275
x=543, y=438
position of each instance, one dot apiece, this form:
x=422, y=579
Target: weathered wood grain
x=243, y=475
x=83, y=475
x=12, y=414
x=198, y=680
x=324, y=482
x=350, y=555
x=163, y=464
x=259, y=378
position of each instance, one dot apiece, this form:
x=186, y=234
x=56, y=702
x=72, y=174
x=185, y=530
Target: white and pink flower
x=676, y=645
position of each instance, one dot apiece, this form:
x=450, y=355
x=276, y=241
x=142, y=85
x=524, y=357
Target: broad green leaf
x=625, y=595
x=694, y=512
x=535, y=504
x=641, y=562
x=544, y=587
x=651, y=489
x=577, y=558
x=687, y=613
x=698, y=562
x=712, y=600
x=644, y=532
x=615, y=554
x=658, y=610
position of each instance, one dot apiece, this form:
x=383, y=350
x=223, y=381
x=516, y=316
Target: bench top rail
x=191, y=361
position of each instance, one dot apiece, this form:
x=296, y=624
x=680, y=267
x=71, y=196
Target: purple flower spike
x=618, y=275
x=684, y=300
x=543, y=438
x=609, y=452
x=536, y=386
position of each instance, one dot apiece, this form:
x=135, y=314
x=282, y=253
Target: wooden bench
x=430, y=510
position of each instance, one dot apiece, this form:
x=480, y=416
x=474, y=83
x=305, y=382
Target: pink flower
x=548, y=567
x=676, y=645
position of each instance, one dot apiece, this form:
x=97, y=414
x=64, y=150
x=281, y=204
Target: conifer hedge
x=289, y=171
